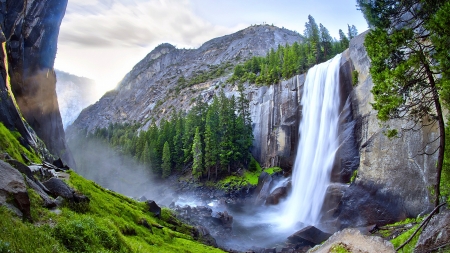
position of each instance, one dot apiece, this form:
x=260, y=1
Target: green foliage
x=355, y=80
x=273, y=170
x=85, y=234
x=399, y=240
x=339, y=248
x=213, y=72
x=166, y=166
x=9, y=143
x=254, y=165
x=445, y=180
x=289, y=60
x=197, y=155
x=354, y=175
x=4, y=247
x=223, y=143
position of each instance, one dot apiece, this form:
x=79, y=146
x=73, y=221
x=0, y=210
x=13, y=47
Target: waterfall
x=318, y=143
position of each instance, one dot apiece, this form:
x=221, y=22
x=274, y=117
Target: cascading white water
x=318, y=144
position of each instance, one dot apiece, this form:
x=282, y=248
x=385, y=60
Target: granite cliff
x=31, y=31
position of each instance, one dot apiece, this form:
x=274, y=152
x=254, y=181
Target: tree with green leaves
x=197, y=154
x=409, y=64
x=166, y=165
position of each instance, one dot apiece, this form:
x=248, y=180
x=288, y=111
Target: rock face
x=152, y=86
x=391, y=172
x=31, y=28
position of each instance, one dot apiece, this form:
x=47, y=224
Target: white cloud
x=128, y=23
x=104, y=39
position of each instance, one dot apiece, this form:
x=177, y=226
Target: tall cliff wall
x=393, y=175
x=31, y=30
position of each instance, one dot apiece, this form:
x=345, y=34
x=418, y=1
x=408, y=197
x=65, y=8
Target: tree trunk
x=440, y=161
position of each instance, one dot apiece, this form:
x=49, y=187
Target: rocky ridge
x=151, y=90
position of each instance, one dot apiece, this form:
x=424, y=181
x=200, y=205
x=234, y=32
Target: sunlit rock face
x=31, y=28
x=74, y=94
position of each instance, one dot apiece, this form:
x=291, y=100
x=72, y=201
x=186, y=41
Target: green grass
x=10, y=144
x=111, y=223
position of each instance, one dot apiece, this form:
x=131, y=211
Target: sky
x=104, y=39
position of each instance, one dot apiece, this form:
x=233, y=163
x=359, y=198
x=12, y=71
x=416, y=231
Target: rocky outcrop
x=31, y=29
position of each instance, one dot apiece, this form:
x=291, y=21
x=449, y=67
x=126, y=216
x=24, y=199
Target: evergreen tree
x=197, y=155
x=212, y=138
x=352, y=31
x=325, y=42
x=166, y=165
x=343, y=40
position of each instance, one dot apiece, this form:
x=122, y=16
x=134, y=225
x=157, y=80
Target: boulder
x=57, y=187
x=204, y=236
x=12, y=185
x=21, y=167
x=366, y=203
x=353, y=241
x=436, y=234
x=225, y=219
x=49, y=202
x=277, y=195
x=309, y=235
x=154, y=208
x=263, y=188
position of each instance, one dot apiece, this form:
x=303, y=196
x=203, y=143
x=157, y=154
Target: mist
x=99, y=162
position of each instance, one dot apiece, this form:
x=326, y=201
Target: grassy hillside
x=110, y=223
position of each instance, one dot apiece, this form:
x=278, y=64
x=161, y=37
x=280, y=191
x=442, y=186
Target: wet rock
x=12, y=185
x=277, y=195
x=205, y=237
x=436, y=234
x=263, y=188
x=365, y=204
x=154, y=208
x=57, y=187
x=226, y=219
x=353, y=241
x=309, y=235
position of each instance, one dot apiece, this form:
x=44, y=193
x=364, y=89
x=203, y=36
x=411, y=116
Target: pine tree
x=166, y=165
x=197, y=155
x=212, y=137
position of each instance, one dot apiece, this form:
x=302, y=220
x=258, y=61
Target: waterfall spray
x=318, y=133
